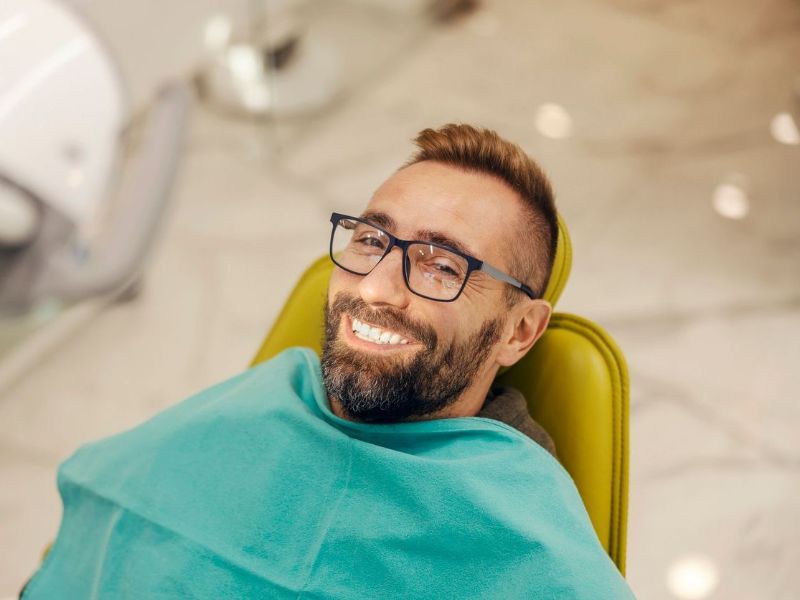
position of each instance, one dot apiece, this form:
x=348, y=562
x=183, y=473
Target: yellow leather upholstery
x=575, y=380
x=576, y=383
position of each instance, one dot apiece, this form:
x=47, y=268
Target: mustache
x=388, y=318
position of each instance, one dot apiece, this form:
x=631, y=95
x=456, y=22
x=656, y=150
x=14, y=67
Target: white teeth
x=373, y=334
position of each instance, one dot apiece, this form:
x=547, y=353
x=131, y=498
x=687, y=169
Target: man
x=390, y=469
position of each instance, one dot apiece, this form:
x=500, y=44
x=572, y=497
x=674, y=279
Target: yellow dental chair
x=575, y=380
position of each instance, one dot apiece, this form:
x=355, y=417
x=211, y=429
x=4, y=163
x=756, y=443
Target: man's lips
x=353, y=340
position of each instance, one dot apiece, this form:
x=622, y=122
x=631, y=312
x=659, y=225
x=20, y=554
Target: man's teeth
x=375, y=335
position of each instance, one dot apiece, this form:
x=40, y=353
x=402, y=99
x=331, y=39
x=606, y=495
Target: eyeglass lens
x=432, y=271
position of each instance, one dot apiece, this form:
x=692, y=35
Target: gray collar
x=508, y=405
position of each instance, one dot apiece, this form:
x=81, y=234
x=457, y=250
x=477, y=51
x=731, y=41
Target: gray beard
x=388, y=389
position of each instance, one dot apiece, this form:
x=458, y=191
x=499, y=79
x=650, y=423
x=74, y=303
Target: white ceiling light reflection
x=249, y=78
x=692, y=577
x=217, y=32
x=730, y=201
x=784, y=129
x=553, y=121
x=245, y=63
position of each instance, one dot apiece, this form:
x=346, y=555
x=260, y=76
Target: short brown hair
x=484, y=151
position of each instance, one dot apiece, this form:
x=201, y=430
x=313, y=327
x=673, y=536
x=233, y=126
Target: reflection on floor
x=653, y=120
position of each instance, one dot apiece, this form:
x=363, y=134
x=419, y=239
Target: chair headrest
x=561, y=265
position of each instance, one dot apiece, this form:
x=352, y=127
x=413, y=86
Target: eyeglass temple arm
x=498, y=274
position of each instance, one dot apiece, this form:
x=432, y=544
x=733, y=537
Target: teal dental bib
x=253, y=488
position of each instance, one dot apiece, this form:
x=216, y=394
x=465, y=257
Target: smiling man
x=392, y=468
x=445, y=321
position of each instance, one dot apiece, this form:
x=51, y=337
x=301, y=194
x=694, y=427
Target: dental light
x=63, y=108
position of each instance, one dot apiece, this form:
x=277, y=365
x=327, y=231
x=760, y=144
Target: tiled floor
x=667, y=101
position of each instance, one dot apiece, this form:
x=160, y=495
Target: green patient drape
x=254, y=489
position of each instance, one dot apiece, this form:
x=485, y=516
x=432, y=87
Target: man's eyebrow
x=381, y=219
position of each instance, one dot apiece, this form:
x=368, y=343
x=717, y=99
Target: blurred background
x=167, y=170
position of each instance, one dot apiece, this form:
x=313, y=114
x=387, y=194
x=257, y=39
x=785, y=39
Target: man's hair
x=533, y=250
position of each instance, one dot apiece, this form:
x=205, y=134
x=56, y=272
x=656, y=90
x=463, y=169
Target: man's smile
x=363, y=335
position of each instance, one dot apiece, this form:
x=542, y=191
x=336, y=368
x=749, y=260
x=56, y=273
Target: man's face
x=450, y=344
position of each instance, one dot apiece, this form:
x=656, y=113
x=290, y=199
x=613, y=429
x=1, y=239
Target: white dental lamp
x=62, y=111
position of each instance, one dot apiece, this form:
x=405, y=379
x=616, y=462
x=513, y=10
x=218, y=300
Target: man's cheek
x=342, y=281
x=333, y=289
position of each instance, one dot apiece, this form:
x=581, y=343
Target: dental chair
x=575, y=380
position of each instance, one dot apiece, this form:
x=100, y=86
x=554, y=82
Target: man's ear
x=526, y=323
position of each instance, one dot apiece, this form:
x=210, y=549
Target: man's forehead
x=429, y=200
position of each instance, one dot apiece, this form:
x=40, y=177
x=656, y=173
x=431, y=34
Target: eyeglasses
x=430, y=270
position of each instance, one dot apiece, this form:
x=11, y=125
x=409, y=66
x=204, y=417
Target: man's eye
x=446, y=269
x=370, y=241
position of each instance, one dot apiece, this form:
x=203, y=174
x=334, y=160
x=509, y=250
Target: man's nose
x=385, y=283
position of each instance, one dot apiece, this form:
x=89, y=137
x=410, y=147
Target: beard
x=385, y=388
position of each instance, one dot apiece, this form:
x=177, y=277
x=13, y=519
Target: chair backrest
x=575, y=380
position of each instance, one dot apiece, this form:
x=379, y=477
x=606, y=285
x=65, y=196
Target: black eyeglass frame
x=473, y=264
